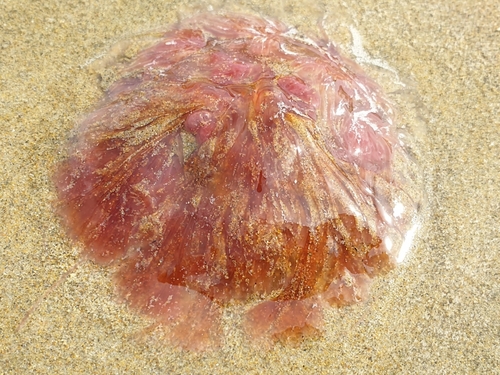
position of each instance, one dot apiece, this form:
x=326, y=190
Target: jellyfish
x=236, y=160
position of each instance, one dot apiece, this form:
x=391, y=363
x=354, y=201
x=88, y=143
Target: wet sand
x=437, y=313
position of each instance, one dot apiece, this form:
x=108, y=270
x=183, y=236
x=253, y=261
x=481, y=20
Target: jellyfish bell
x=234, y=161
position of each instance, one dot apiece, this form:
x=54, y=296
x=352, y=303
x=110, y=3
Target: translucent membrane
x=235, y=160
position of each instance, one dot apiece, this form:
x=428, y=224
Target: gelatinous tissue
x=236, y=160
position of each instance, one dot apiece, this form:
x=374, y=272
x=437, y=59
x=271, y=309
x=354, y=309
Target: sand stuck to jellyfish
x=235, y=160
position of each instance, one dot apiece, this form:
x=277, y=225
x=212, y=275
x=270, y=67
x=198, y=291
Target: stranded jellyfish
x=235, y=160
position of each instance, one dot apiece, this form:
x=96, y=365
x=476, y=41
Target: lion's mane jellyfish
x=236, y=160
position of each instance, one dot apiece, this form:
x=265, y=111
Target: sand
x=439, y=312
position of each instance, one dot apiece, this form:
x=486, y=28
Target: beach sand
x=439, y=312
